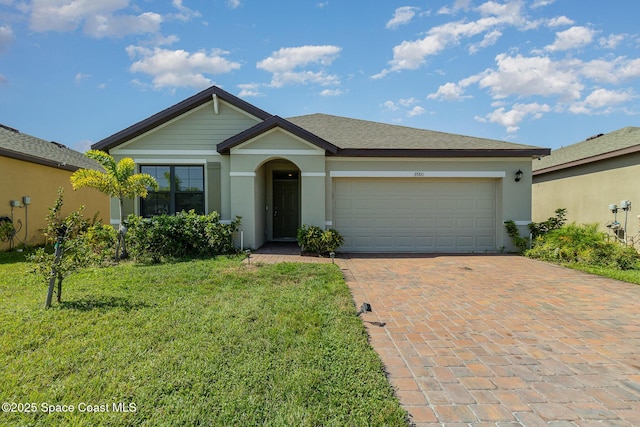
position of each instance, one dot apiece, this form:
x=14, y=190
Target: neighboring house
x=386, y=188
x=587, y=177
x=31, y=171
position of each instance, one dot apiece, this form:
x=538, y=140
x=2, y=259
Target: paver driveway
x=502, y=340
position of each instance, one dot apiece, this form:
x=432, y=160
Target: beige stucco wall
x=41, y=183
x=587, y=191
x=513, y=199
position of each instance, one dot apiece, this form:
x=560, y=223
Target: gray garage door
x=415, y=215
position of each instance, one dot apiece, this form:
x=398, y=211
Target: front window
x=179, y=188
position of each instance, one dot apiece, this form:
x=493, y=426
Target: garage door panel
x=415, y=215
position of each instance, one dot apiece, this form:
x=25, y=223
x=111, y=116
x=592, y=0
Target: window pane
x=154, y=204
x=188, y=201
x=189, y=178
x=162, y=174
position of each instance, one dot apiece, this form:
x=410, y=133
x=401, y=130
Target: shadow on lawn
x=102, y=303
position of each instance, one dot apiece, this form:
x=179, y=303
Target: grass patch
x=205, y=342
x=630, y=276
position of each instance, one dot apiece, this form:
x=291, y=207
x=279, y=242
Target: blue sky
x=541, y=72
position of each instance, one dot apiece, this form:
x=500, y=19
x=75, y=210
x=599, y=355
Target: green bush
x=536, y=229
x=186, y=234
x=553, y=223
x=312, y=239
x=583, y=244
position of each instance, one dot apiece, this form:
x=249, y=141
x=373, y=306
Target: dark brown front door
x=285, y=205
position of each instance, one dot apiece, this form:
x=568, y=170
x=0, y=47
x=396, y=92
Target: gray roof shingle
x=18, y=145
x=592, y=149
x=348, y=133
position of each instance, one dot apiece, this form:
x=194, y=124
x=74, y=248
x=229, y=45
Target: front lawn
x=205, y=342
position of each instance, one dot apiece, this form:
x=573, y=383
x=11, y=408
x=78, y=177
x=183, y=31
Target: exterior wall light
x=518, y=175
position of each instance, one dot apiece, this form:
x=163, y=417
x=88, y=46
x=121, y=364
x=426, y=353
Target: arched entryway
x=282, y=185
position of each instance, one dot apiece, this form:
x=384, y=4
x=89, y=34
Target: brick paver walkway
x=501, y=340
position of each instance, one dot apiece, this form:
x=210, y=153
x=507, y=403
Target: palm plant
x=118, y=180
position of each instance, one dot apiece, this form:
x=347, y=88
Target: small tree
x=71, y=251
x=119, y=181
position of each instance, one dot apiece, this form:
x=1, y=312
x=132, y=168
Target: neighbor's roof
x=18, y=145
x=597, y=147
x=362, y=137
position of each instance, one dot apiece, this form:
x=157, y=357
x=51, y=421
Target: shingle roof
x=348, y=133
x=596, y=148
x=18, y=145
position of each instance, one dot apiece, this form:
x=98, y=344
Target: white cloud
x=331, y=92
x=97, y=17
x=80, y=77
x=612, y=41
x=528, y=76
x=559, y=21
x=284, y=65
x=511, y=119
x=67, y=15
x=541, y=3
x=407, y=102
x=234, y=4
x=179, y=68
x=602, y=101
x=448, y=92
x=403, y=15
x=390, y=105
x=572, y=38
x=6, y=37
x=185, y=14
x=121, y=25
x=458, y=5
x=489, y=40
x=416, y=111
x=249, y=90
x=613, y=71
x=409, y=55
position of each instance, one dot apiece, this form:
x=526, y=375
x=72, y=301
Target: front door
x=286, y=217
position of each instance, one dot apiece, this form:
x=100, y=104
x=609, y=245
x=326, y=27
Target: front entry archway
x=286, y=204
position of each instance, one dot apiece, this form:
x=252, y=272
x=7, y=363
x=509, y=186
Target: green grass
x=631, y=276
x=205, y=342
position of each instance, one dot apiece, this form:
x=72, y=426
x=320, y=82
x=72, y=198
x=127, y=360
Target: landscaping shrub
x=186, y=234
x=312, y=239
x=536, y=229
x=583, y=244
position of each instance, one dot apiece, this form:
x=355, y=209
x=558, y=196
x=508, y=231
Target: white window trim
x=245, y=174
x=125, y=151
x=147, y=162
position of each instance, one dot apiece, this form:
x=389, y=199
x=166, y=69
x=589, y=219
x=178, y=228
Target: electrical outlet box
x=26, y=200
x=15, y=203
x=625, y=204
x=613, y=207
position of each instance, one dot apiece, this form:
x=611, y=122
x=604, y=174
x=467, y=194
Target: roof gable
x=174, y=111
x=271, y=123
x=620, y=142
x=20, y=146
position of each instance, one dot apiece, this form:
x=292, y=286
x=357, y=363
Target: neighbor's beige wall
x=586, y=192
x=21, y=178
